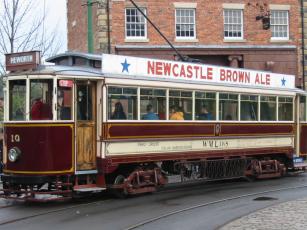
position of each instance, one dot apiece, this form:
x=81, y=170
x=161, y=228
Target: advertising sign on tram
x=155, y=69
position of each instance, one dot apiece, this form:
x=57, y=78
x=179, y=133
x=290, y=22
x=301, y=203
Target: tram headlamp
x=14, y=154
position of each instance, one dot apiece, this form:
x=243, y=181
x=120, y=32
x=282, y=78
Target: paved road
x=211, y=209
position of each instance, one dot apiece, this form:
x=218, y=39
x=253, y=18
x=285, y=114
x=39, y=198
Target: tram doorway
x=86, y=125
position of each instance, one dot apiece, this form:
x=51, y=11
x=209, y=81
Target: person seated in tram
x=204, y=114
x=175, y=113
x=36, y=109
x=150, y=115
x=118, y=113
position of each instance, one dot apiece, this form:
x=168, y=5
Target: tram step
x=88, y=188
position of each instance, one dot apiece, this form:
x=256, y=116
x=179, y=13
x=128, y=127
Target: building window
x=233, y=24
x=185, y=23
x=280, y=24
x=135, y=23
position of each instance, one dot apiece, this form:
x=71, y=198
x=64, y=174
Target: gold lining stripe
x=38, y=172
x=37, y=125
x=153, y=136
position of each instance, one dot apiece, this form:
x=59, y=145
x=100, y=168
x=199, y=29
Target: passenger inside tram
x=204, y=114
x=40, y=110
x=176, y=113
x=150, y=115
x=118, y=113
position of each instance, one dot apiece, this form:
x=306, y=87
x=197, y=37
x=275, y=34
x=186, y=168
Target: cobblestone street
x=289, y=215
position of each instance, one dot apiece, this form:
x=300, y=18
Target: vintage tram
x=95, y=122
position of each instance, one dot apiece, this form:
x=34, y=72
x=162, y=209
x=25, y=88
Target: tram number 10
x=15, y=138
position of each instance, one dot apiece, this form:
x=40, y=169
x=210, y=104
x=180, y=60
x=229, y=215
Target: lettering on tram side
x=154, y=69
x=15, y=138
x=173, y=146
x=218, y=144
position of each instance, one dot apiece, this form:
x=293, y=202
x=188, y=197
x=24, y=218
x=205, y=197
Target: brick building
x=229, y=32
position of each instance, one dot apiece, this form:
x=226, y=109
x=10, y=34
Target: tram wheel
x=120, y=193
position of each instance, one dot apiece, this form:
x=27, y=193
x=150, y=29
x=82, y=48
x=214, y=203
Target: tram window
x=249, y=108
x=180, y=105
x=17, y=100
x=41, y=99
x=122, y=103
x=152, y=104
x=84, y=102
x=285, y=108
x=228, y=106
x=268, y=108
x=205, y=106
x=302, y=108
x=64, y=102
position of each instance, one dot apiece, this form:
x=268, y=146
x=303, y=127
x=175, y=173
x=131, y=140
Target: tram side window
x=302, y=108
x=285, y=108
x=17, y=102
x=249, y=108
x=268, y=108
x=152, y=104
x=122, y=103
x=64, y=101
x=205, y=106
x=228, y=106
x=180, y=105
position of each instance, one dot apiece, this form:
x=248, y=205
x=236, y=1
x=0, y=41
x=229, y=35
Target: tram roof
x=61, y=70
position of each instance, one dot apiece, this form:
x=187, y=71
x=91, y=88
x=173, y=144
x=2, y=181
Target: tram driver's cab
x=50, y=124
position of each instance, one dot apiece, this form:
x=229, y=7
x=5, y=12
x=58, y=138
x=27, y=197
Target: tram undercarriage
x=140, y=178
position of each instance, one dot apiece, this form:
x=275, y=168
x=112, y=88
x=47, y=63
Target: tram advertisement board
x=155, y=69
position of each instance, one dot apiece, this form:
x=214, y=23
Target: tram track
x=49, y=212
x=179, y=211
x=150, y=220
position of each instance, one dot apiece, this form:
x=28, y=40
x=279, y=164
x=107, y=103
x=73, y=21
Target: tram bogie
x=71, y=130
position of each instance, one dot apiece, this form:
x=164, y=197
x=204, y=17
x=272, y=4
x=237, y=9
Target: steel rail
x=168, y=214
x=51, y=211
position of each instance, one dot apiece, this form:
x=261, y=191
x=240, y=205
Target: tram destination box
x=22, y=61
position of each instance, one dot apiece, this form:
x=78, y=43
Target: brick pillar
x=305, y=41
x=102, y=25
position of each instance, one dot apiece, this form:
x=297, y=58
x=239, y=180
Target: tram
x=130, y=125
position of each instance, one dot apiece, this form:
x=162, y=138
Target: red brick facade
x=255, y=50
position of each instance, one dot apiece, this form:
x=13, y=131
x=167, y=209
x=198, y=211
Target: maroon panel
x=303, y=139
x=256, y=129
x=169, y=130
x=44, y=147
x=159, y=130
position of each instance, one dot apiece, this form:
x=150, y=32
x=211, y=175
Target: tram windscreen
x=17, y=102
x=41, y=99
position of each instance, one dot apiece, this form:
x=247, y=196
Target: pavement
x=284, y=216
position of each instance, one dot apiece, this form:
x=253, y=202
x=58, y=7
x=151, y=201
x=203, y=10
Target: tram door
x=86, y=125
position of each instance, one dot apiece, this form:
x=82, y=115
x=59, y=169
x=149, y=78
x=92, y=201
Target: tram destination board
x=22, y=61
